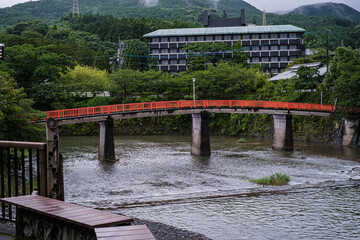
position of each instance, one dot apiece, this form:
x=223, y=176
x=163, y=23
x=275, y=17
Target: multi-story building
x=273, y=46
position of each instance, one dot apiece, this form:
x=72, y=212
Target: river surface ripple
x=157, y=179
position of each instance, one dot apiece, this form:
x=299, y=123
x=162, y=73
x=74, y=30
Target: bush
x=275, y=179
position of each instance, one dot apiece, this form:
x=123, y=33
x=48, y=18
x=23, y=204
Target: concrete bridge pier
x=200, y=137
x=283, y=137
x=106, y=143
x=350, y=130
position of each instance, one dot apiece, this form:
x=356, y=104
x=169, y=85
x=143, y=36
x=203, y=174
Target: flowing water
x=157, y=179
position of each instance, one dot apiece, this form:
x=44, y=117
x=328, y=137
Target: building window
x=274, y=59
x=227, y=37
x=293, y=47
x=173, y=50
x=283, y=35
x=155, y=40
x=292, y=58
x=274, y=35
x=209, y=38
x=264, y=48
x=182, y=61
x=191, y=39
x=164, y=62
x=292, y=35
x=173, y=61
x=200, y=38
x=255, y=60
x=283, y=47
x=255, y=36
x=237, y=37
x=164, y=50
x=164, y=39
x=173, y=39
x=283, y=59
x=155, y=51
x=264, y=59
x=274, y=47
x=182, y=39
x=264, y=36
x=181, y=50
x=218, y=37
x=274, y=70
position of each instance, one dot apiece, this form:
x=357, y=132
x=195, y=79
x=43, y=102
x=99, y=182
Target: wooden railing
x=22, y=170
x=151, y=106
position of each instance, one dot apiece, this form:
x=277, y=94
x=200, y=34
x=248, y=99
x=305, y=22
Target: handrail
x=150, y=106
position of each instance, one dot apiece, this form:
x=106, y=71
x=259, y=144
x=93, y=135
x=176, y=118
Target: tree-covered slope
x=191, y=10
x=338, y=10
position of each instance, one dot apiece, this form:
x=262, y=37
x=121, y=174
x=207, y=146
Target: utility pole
x=75, y=11
x=264, y=18
x=2, y=46
x=120, y=58
x=327, y=49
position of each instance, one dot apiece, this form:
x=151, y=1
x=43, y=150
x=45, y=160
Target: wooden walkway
x=68, y=212
x=137, y=232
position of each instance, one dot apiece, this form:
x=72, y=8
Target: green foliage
x=344, y=77
x=15, y=113
x=86, y=79
x=202, y=54
x=241, y=140
x=275, y=179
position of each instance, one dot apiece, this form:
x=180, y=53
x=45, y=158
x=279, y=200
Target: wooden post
x=43, y=173
x=55, y=181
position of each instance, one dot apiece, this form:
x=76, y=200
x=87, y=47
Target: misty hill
x=191, y=10
x=338, y=10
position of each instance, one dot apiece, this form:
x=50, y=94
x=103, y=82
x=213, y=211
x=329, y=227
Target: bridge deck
x=152, y=109
x=68, y=212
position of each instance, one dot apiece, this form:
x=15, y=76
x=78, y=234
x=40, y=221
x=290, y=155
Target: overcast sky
x=269, y=5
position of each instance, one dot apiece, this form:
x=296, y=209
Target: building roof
x=224, y=30
x=291, y=72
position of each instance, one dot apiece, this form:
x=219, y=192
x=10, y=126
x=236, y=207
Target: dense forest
x=50, y=64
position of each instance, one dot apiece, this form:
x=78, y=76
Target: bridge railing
x=150, y=106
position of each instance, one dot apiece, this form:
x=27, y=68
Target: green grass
x=275, y=179
x=241, y=140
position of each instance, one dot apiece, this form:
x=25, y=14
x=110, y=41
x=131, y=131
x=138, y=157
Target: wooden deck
x=68, y=212
x=137, y=232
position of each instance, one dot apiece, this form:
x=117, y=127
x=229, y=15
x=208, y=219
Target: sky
x=269, y=5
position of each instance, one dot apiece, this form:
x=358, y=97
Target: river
x=157, y=179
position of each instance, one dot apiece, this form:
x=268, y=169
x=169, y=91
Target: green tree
x=344, y=77
x=15, y=113
x=204, y=53
x=83, y=79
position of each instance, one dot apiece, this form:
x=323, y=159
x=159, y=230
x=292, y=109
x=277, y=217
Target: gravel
x=167, y=232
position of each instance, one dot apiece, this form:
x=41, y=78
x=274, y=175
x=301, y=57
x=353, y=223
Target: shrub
x=275, y=179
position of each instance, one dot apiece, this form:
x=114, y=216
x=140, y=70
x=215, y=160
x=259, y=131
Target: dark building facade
x=273, y=46
x=225, y=21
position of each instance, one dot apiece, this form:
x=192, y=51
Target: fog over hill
x=329, y=9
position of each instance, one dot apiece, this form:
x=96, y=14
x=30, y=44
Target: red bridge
x=282, y=113
x=188, y=105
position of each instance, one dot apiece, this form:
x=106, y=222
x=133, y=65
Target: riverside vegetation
x=275, y=179
x=49, y=66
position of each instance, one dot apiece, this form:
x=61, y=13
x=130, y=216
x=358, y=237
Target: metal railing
x=22, y=166
x=151, y=106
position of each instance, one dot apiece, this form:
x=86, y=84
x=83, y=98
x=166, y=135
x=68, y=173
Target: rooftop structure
x=292, y=72
x=222, y=22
